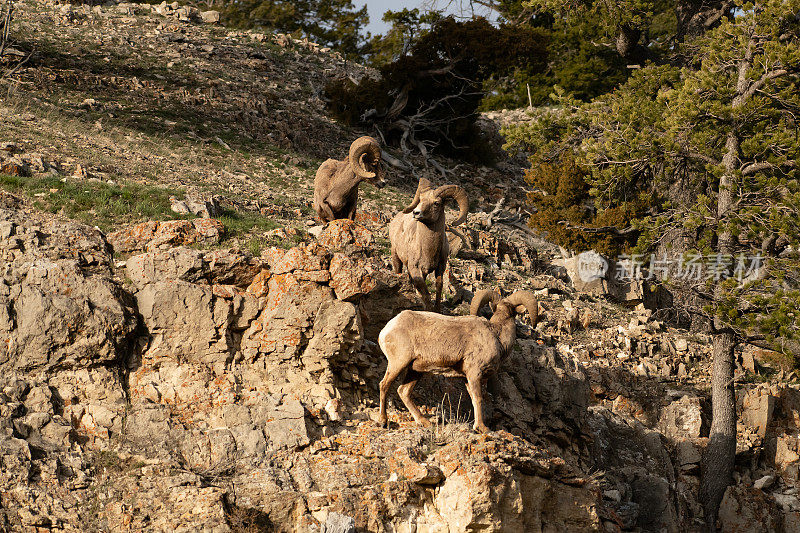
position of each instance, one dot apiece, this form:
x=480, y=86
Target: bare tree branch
x=756, y=85
x=699, y=156
x=600, y=229
x=753, y=168
x=5, y=25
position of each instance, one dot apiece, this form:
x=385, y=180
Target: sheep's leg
x=474, y=389
x=418, y=279
x=404, y=391
x=397, y=265
x=326, y=212
x=438, y=307
x=392, y=371
x=352, y=211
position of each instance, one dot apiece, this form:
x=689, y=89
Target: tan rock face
x=189, y=322
x=757, y=408
x=213, y=386
x=64, y=317
x=59, y=307
x=210, y=17
x=349, y=280
x=787, y=455
x=682, y=419
x=745, y=510
x=310, y=258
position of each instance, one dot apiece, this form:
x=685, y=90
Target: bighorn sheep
x=466, y=346
x=418, y=238
x=336, y=182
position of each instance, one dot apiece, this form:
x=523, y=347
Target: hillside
x=185, y=347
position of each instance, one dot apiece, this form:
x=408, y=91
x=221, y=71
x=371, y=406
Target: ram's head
x=428, y=204
x=365, y=159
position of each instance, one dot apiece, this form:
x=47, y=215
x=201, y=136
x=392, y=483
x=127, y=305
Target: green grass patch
x=257, y=243
x=243, y=222
x=94, y=202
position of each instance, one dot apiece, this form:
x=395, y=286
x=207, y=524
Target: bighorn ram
x=466, y=346
x=336, y=182
x=418, y=237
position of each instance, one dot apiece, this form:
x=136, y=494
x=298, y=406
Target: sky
x=377, y=8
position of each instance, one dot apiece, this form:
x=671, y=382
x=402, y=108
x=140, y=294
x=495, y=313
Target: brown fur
x=468, y=346
x=418, y=237
x=336, y=182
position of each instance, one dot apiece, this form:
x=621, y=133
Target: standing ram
x=418, y=236
x=466, y=346
x=336, y=182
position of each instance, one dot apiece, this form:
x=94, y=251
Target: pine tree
x=408, y=26
x=334, y=23
x=735, y=114
x=714, y=146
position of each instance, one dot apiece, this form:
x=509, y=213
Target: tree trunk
x=627, y=44
x=720, y=454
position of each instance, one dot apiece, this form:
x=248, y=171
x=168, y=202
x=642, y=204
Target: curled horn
x=423, y=186
x=480, y=299
x=361, y=147
x=523, y=301
x=456, y=193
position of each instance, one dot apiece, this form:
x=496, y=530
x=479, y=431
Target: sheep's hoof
x=424, y=422
x=481, y=429
x=385, y=424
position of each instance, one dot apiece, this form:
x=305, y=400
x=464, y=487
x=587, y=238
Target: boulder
x=591, y=273
x=305, y=258
x=14, y=167
x=588, y=272
x=682, y=419
x=224, y=267
x=787, y=455
x=745, y=509
x=502, y=495
x=688, y=455
x=764, y=483
x=344, y=234
x=179, y=263
x=153, y=235
x=60, y=316
x=787, y=408
x=201, y=207
x=349, y=280
x=210, y=17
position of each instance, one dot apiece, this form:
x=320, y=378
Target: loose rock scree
x=418, y=238
x=461, y=346
x=336, y=182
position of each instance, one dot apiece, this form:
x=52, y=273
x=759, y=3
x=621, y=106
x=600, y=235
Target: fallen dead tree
x=427, y=99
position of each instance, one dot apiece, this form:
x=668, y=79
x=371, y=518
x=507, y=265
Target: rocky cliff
x=163, y=372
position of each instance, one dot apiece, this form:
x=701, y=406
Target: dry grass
x=247, y=520
x=449, y=424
